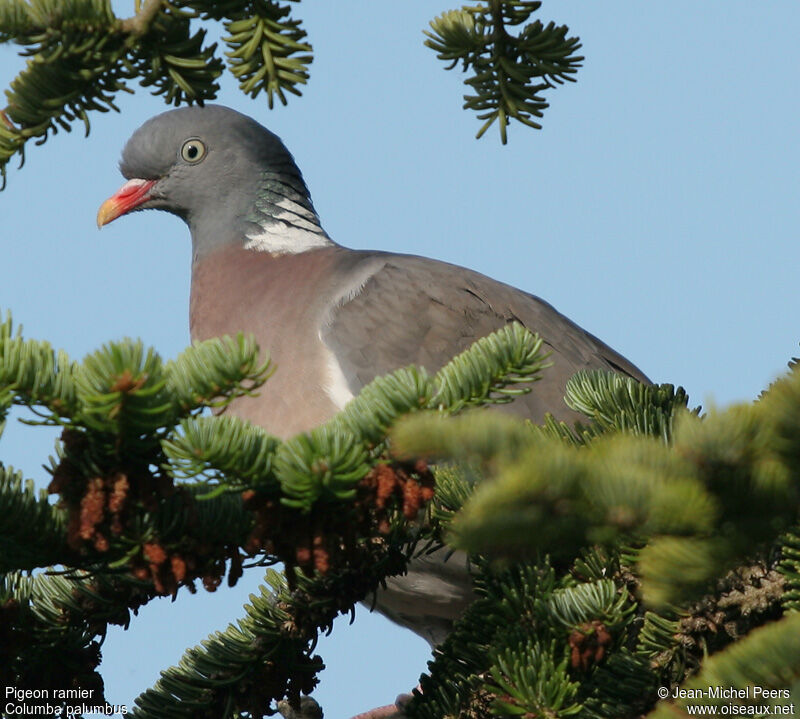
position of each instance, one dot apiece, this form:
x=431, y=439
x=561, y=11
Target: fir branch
x=34, y=374
x=623, y=686
x=539, y=685
x=767, y=659
x=703, y=500
x=557, y=499
x=268, y=51
x=599, y=600
x=494, y=370
x=197, y=526
x=33, y=659
x=506, y=604
x=618, y=403
x=216, y=372
x=509, y=71
x=325, y=464
x=454, y=485
x=38, y=22
x=611, y=401
x=122, y=390
x=381, y=402
x=657, y=639
x=176, y=63
x=78, y=600
x=535, y=643
x=267, y=655
x=737, y=455
x=745, y=598
x=75, y=48
x=50, y=626
x=14, y=19
x=471, y=437
x=781, y=406
x=673, y=569
x=112, y=519
x=700, y=501
x=6, y=402
x=789, y=567
x=32, y=532
x=81, y=56
x=556, y=429
x=256, y=652
x=227, y=448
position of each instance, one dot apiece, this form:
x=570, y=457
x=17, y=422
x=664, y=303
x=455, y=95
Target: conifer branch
x=646, y=502
x=52, y=624
x=553, y=492
x=32, y=532
x=617, y=403
x=130, y=430
x=226, y=449
x=495, y=369
x=471, y=437
x=80, y=56
x=509, y=72
x=764, y=666
x=216, y=372
x=32, y=373
x=140, y=22
x=268, y=655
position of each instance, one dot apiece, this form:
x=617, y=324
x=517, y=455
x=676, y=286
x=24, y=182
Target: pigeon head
x=230, y=179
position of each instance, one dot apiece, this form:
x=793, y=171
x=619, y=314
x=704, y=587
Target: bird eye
x=193, y=151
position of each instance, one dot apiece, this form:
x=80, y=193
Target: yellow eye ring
x=193, y=151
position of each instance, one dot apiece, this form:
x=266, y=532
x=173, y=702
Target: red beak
x=132, y=194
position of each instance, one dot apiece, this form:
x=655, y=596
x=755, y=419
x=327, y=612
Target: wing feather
x=414, y=310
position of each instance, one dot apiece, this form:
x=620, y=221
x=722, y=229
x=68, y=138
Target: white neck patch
x=286, y=240
x=289, y=231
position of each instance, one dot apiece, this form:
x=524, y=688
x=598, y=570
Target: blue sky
x=658, y=208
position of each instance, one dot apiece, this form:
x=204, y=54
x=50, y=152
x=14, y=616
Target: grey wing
x=420, y=311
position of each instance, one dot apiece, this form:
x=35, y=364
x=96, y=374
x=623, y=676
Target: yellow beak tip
x=107, y=212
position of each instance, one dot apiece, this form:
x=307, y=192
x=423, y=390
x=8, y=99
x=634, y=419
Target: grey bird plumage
x=332, y=318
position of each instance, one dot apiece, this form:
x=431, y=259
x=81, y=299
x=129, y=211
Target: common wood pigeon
x=332, y=318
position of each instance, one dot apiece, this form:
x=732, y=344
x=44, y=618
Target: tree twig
x=138, y=24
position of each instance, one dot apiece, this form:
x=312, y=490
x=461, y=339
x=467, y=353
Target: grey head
x=228, y=177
